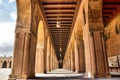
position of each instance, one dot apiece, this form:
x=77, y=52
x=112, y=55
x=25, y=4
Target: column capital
x=22, y=29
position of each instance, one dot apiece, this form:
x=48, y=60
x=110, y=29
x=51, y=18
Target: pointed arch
x=40, y=35
x=40, y=49
x=4, y=65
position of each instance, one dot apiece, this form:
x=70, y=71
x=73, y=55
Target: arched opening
x=10, y=64
x=39, y=65
x=4, y=64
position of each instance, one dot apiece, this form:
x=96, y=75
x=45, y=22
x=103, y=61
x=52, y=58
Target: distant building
x=5, y=62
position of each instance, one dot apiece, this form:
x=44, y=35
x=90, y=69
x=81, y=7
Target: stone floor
x=63, y=74
x=4, y=73
x=58, y=74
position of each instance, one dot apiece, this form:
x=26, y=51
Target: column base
x=102, y=76
x=45, y=72
x=17, y=77
x=73, y=70
x=81, y=72
x=11, y=77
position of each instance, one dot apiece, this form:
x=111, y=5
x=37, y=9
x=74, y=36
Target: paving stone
x=4, y=73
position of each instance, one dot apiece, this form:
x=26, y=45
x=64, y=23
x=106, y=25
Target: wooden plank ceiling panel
x=110, y=9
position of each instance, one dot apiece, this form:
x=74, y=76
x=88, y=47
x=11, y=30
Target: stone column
x=72, y=62
x=81, y=57
x=51, y=58
x=23, y=59
x=68, y=62
x=48, y=62
x=73, y=57
x=53, y=61
x=40, y=59
x=76, y=57
x=96, y=59
x=102, y=69
x=95, y=54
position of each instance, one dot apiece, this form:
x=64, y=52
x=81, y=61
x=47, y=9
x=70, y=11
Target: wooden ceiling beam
x=61, y=23
x=60, y=31
x=58, y=44
x=107, y=12
x=58, y=40
x=59, y=18
x=56, y=13
x=65, y=37
x=110, y=6
x=60, y=28
x=106, y=16
x=53, y=22
x=59, y=6
x=59, y=10
x=59, y=14
x=62, y=8
x=58, y=1
x=111, y=1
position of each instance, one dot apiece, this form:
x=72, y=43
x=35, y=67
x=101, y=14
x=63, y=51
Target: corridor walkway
x=63, y=74
x=60, y=74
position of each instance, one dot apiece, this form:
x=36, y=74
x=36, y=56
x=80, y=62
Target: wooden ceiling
x=110, y=9
x=65, y=12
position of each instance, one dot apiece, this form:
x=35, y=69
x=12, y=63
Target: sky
x=8, y=16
